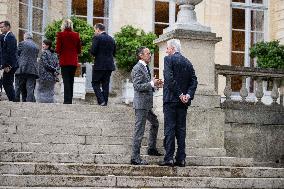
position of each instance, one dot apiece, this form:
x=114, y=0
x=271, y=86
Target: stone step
x=71, y=139
x=138, y=181
x=87, y=149
x=116, y=159
x=17, y=108
x=12, y=187
x=88, y=116
x=30, y=168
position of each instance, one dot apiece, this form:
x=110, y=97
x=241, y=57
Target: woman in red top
x=68, y=46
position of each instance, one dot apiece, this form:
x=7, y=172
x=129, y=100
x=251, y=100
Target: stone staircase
x=89, y=146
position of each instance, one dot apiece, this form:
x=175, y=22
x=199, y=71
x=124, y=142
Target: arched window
x=32, y=18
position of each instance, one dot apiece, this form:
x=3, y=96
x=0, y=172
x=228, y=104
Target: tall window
x=249, y=19
x=31, y=18
x=93, y=11
x=165, y=14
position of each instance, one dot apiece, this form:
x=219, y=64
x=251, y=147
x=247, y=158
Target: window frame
x=30, y=7
x=248, y=6
x=90, y=13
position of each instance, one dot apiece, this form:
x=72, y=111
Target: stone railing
x=256, y=74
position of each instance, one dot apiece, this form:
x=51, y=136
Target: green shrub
x=268, y=54
x=127, y=41
x=82, y=27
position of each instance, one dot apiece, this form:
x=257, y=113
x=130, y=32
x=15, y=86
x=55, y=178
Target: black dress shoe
x=154, y=152
x=141, y=162
x=166, y=163
x=180, y=163
x=103, y=104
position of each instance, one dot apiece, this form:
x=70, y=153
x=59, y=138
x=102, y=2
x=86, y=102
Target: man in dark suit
x=143, y=104
x=9, y=59
x=180, y=84
x=103, y=49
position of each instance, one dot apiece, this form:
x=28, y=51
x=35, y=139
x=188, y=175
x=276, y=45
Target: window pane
x=37, y=20
x=23, y=16
x=238, y=41
x=237, y=60
x=256, y=37
x=37, y=39
x=101, y=8
x=79, y=7
x=38, y=3
x=238, y=19
x=162, y=12
x=257, y=20
x=239, y=1
x=257, y=1
x=159, y=28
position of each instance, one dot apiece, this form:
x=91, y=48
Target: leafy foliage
x=127, y=41
x=82, y=27
x=268, y=54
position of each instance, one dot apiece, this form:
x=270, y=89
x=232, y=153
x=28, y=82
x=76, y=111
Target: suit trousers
x=7, y=81
x=25, y=85
x=141, y=116
x=175, y=127
x=68, y=73
x=100, y=83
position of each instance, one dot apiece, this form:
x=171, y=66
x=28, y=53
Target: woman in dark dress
x=48, y=71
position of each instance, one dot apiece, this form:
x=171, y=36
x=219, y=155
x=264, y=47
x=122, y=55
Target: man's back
x=28, y=52
x=103, y=49
x=179, y=78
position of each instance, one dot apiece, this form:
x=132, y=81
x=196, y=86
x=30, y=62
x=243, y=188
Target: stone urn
x=186, y=18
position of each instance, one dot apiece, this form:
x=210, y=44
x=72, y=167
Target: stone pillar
x=205, y=120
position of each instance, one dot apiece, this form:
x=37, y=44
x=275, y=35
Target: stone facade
x=135, y=13
x=276, y=26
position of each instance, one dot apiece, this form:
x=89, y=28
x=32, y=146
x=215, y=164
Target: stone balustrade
x=259, y=75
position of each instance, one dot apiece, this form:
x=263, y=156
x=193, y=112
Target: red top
x=68, y=46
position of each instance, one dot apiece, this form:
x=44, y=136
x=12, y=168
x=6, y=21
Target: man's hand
x=158, y=82
x=184, y=98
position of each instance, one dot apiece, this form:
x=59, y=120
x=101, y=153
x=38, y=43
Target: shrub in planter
x=85, y=30
x=127, y=41
x=268, y=54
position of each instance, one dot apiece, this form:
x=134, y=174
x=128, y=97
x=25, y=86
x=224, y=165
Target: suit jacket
x=28, y=52
x=68, y=46
x=179, y=78
x=103, y=49
x=1, y=43
x=9, y=51
x=143, y=90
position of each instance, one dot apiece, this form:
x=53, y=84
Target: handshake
x=158, y=82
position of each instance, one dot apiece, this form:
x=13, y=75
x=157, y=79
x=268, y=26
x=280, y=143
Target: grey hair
x=175, y=43
x=67, y=24
x=28, y=35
